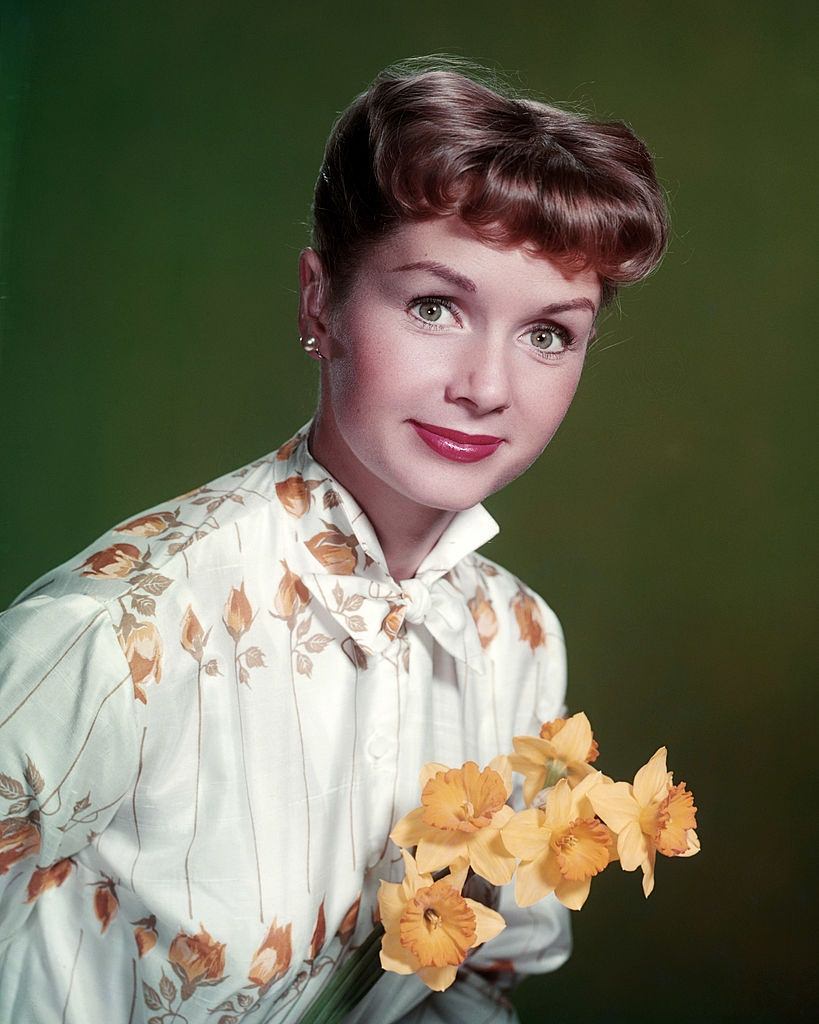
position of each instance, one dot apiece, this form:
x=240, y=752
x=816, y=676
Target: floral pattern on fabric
x=210, y=721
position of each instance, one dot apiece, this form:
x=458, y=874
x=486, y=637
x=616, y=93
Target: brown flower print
x=143, y=650
x=484, y=617
x=238, y=613
x=272, y=959
x=193, y=636
x=335, y=550
x=319, y=934
x=115, y=562
x=19, y=838
x=349, y=921
x=48, y=878
x=355, y=652
x=291, y=597
x=288, y=448
x=197, y=960
x=145, y=934
x=106, y=902
x=150, y=525
x=393, y=620
x=295, y=494
x=529, y=621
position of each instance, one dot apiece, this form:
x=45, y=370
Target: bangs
x=517, y=171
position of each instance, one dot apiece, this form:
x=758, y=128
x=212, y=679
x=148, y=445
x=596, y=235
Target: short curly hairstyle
x=425, y=139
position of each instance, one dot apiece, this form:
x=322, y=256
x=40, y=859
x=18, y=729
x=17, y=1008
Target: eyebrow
x=468, y=285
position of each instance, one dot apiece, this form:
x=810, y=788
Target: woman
x=211, y=719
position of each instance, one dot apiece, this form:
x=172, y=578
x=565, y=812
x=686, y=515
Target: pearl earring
x=311, y=345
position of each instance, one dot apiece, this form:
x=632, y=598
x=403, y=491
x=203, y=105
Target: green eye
x=430, y=311
x=542, y=337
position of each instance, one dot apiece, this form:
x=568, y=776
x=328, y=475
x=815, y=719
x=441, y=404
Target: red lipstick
x=454, y=444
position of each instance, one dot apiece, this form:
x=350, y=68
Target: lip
x=457, y=435
x=454, y=449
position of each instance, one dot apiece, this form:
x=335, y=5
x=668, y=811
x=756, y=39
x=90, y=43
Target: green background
x=161, y=158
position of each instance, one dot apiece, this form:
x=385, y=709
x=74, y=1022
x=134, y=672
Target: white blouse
x=211, y=719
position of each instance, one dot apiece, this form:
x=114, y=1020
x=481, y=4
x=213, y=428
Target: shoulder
x=141, y=557
x=485, y=582
x=518, y=628
x=56, y=650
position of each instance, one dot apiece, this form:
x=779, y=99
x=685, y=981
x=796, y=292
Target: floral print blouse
x=211, y=719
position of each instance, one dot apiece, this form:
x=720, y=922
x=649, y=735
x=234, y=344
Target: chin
x=449, y=496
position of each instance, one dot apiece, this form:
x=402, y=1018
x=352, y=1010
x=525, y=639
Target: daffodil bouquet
x=576, y=822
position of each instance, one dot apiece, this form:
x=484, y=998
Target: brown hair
x=427, y=140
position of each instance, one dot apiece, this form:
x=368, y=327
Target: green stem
x=349, y=984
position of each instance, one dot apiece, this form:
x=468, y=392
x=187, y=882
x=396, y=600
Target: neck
x=406, y=531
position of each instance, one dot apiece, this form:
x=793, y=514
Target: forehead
x=448, y=240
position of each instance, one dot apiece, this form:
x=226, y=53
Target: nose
x=479, y=375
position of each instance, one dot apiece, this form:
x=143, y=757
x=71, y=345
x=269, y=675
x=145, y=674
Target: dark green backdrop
x=161, y=159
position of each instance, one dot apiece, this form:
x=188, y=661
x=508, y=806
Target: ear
x=313, y=291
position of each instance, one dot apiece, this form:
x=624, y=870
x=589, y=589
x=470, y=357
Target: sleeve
x=68, y=739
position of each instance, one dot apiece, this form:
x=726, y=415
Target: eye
x=431, y=310
x=544, y=337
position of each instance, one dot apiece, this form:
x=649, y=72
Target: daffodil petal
x=438, y=849
x=573, y=741
x=535, y=879
x=437, y=978
x=391, y=903
x=533, y=749
x=409, y=829
x=648, y=872
x=632, y=846
x=559, y=805
x=489, y=857
x=533, y=784
x=581, y=807
x=501, y=765
x=429, y=771
x=614, y=802
x=523, y=835
x=502, y=816
x=651, y=781
x=573, y=894
x=395, y=957
x=578, y=770
x=693, y=844
x=413, y=878
x=458, y=871
x=488, y=923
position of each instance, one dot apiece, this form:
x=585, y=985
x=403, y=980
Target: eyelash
x=562, y=333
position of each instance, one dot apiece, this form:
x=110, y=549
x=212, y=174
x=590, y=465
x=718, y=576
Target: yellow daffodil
x=462, y=811
x=429, y=927
x=649, y=816
x=564, y=750
x=561, y=846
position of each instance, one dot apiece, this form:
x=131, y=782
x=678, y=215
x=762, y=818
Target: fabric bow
x=372, y=613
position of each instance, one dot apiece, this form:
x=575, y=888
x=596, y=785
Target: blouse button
x=378, y=746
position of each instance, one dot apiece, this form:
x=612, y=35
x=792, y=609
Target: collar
x=320, y=504
x=338, y=556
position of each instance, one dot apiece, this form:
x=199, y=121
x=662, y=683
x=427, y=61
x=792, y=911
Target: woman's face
x=443, y=330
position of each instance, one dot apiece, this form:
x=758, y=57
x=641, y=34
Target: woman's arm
x=68, y=742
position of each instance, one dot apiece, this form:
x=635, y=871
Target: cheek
x=543, y=400
x=377, y=362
